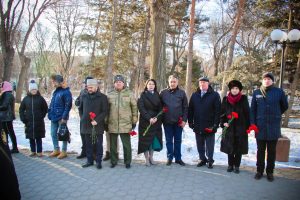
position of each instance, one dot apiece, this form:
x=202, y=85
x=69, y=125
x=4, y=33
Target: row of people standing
x=204, y=113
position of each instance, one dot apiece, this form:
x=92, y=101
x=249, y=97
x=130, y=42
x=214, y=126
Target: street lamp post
x=280, y=37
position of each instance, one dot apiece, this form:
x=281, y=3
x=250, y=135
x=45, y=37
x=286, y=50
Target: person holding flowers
x=150, y=121
x=235, y=120
x=267, y=105
x=122, y=119
x=93, y=110
x=204, y=119
x=176, y=101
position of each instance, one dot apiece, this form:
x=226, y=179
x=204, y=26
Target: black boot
x=107, y=156
x=82, y=155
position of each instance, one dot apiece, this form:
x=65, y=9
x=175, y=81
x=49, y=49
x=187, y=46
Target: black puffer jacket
x=33, y=110
x=7, y=107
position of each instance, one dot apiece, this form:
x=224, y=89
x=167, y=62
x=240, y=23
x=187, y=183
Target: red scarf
x=234, y=99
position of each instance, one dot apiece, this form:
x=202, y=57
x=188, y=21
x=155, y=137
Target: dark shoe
x=180, y=162
x=210, y=165
x=14, y=150
x=127, y=166
x=99, y=166
x=87, y=165
x=230, y=169
x=107, y=156
x=258, y=175
x=201, y=163
x=81, y=156
x=169, y=162
x=270, y=177
x=113, y=165
x=237, y=170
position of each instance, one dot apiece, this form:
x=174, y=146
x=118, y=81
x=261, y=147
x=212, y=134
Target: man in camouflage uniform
x=121, y=120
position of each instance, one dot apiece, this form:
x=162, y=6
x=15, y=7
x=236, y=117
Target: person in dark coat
x=235, y=141
x=77, y=103
x=204, y=118
x=149, y=105
x=7, y=113
x=267, y=105
x=96, y=102
x=175, y=119
x=58, y=113
x=9, y=181
x=33, y=110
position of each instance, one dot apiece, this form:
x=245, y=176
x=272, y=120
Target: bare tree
x=188, y=80
x=69, y=23
x=11, y=15
x=230, y=51
x=111, y=48
x=34, y=11
x=159, y=21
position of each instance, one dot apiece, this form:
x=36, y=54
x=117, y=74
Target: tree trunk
x=188, y=80
x=230, y=51
x=293, y=91
x=158, y=30
x=25, y=62
x=139, y=84
x=111, y=49
x=8, y=57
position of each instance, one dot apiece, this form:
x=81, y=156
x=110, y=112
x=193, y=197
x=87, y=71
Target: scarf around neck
x=264, y=89
x=233, y=99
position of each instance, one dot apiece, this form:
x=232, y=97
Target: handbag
x=63, y=133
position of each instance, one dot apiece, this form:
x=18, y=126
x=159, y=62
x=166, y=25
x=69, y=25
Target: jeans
x=36, y=145
x=90, y=147
x=173, y=133
x=205, y=144
x=54, y=129
x=271, y=151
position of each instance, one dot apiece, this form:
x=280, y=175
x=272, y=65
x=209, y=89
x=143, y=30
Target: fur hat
x=91, y=82
x=204, y=78
x=32, y=85
x=269, y=75
x=235, y=83
x=119, y=78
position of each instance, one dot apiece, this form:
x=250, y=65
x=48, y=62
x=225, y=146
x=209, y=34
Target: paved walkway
x=51, y=178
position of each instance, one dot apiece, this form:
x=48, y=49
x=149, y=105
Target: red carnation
x=254, y=128
x=229, y=116
x=132, y=133
x=180, y=120
x=165, y=109
x=235, y=115
x=208, y=130
x=92, y=115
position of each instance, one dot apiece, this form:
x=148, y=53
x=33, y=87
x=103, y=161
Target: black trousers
x=9, y=130
x=235, y=158
x=83, y=147
x=91, y=148
x=262, y=145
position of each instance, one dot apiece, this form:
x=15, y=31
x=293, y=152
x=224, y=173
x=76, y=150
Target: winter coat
x=266, y=112
x=204, y=112
x=7, y=107
x=122, y=111
x=96, y=103
x=149, y=106
x=177, y=104
x=33, y=110
x=77, y=103
x=237, y=128
x=61, y=104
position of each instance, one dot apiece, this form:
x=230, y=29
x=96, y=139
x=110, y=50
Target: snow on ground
x=189, y=149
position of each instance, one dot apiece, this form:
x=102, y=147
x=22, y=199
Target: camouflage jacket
x=122, y=111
